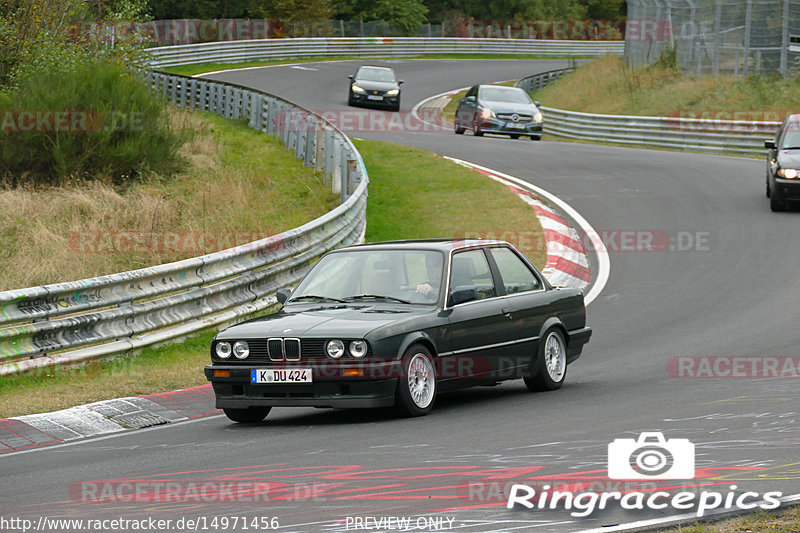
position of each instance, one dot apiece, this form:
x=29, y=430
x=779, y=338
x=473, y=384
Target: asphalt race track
x=723, y=282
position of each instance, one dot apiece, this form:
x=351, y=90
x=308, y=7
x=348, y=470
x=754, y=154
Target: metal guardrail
x=537, y=81
x=677, y=133
x=267, y=49
x=117, y=313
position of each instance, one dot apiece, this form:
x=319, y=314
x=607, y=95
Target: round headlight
x=358, y=349
x=790, y=173
x=335, y=348
x=241, y=349
x=223, y=350
x=537, y=117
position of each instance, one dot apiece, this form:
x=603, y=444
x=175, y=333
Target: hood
x=302, y=320
x=789, y=158
x=375, y=85
x=508, y=107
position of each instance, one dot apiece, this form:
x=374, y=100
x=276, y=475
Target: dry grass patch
x=239, y=185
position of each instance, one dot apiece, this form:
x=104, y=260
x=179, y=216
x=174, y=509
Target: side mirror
x=350, y=77
x=769, y=144
x=537, y=103
x=400, y=82
x=470, y=98
x=283, y=294
x=462, y=294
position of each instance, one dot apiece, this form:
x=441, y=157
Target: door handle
x=506, y=311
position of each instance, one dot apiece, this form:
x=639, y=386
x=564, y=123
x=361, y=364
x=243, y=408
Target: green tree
x=406, y=14
x=300, y=18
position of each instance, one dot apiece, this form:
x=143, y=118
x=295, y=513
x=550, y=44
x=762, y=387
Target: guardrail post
x=311, y=137
x=184, y=90
x=336, y=167
x=330, y=148
x=256, y=111
x=343, y=173
x=300, y=136
x=319, y=150
x=270, y=118
x=353, y=176
x=291, y=125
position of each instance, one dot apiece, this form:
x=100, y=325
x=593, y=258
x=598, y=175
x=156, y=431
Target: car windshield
x=791, y=139
x=511, y=95
x=375, y=74
x=397, y=276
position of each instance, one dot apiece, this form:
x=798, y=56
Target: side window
x=517, y=277
x=473, y=91
x=471, y=270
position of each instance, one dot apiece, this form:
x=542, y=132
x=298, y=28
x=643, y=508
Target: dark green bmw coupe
x=396, y=323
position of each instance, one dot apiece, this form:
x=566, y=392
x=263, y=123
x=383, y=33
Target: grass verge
x=416, y=194
x=413, y=194
x=203, y=68
x=777, y=521
x=609, y=86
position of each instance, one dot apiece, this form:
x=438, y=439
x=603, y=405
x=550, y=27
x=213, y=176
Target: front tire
x=514, y=135
x=457, y=127
x=476, y=129
x=536, y=137
x=417, y=387
x=550, y=368
x=249, y=415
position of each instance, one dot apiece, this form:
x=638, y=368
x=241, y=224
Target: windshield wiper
x=315, y=297
x=376, y=296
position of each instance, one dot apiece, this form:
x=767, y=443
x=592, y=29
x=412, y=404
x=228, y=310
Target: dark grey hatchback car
x=783, y=164
x=396, y=323
x=375, y=87
x=498, y=109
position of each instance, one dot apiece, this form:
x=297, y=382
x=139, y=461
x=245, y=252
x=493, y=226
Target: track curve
x=734, y=295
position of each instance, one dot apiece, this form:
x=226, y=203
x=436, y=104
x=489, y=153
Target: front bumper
x=386, y=101
x=376, y=388
x=506, y=127
x=787, y=189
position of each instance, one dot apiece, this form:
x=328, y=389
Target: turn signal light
x=222, y=373
x=352, y=372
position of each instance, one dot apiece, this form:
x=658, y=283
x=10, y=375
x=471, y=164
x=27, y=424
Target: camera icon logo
x=651, y=456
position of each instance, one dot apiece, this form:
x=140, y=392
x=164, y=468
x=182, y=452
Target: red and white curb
x=567, y=264
x=105, y=417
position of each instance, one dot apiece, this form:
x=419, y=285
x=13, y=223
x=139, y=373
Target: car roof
x=375, y=66
x=506, y=87
x=442, y=245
